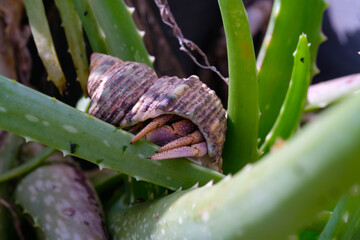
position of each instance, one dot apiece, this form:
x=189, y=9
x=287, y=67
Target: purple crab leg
x=154, y=124
x=195, y=150
x=195, y=137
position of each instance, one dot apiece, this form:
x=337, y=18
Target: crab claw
x=166, y=134
x=162, y=135
x=195, y=137
x=183, y=127
x=195, y=150
x=154, y=124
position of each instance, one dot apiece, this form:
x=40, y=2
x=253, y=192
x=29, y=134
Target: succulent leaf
x=343, y=223
x=292, y=108
x=57, y=125
x=62, y=202
x=304, y=173
x=43, y=40
x=74, y=35
x=289, y=19
x=243, y=108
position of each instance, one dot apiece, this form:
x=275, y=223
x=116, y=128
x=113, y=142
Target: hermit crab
x=182, y=115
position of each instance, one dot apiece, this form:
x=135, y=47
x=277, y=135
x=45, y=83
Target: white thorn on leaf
x=179, y=189
x=209, y=184
x=131, y=9
x=195, y=186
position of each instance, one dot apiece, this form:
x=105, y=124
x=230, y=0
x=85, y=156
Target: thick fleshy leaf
x=274, y=198
x=92, y=28
x=44, y=44
x=75, y=39
x=344, y=222
x=38, y=117
x=289, y=19
x=111, y=29
x=292, y=108
x=243, y=109
x=62, y=203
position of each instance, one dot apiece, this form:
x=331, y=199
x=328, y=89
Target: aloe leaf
x=93, y=30
x=307, y=235
x=292, y=108
x=28, y=166
x=289, y=19
x=8, y=159
x=62, y=203
x=323, y=94
x=243, y=110
x=36, y=116
x=343, y=223
x=121, y=35
x=318, y=224
x=273, y=198
x=74, y=35
x=44, y=44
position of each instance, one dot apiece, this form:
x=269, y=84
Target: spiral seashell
x=127, y=93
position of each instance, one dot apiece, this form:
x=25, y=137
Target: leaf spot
x=70, y=129
x=31, y=118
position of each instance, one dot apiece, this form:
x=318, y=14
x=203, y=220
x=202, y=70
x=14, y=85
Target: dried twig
x=15, y=219
x=186, y=45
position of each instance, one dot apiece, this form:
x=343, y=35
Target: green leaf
x=289, y=19
x=319, y=222
x=269, y=200
x=344, y=222
x=308, y=235
x=121, y=35
x=44, y=44
x=62, y=203
x=292, y=108
x=243, y=110
x=91, y=26
x=28, y=166
x=74, y=35
x=38, y=117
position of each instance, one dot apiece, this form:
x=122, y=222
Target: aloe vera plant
x=282, y=176
x=278, y=45
x=309, y=168
x=243, y=109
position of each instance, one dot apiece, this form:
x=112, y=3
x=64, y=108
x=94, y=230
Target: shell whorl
x=126, y=93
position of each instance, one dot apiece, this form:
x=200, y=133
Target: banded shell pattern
x=126, y=93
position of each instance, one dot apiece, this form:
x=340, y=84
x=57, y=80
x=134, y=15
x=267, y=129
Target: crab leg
x=195, y=150
x=195, y=137
x=155, y=123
